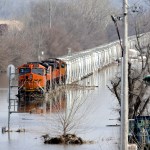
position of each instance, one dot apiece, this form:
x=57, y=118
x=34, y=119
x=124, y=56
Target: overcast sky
x=9, y=8
x=130, y=2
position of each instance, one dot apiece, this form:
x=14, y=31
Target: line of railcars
x=35, y=78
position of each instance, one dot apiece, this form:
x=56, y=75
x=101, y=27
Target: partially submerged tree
x=137, y=69
x=70, y=112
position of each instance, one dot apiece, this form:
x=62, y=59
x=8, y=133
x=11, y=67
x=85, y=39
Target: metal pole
x=50, y=15
x=124, y=82
x=9, y=100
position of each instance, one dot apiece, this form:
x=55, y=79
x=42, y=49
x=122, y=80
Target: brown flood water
x=99, y=110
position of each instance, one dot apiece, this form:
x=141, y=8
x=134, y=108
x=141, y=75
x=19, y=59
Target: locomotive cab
x=32, y=77
x=35, y=78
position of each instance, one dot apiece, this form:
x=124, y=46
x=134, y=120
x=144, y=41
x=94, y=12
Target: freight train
x=35, y=78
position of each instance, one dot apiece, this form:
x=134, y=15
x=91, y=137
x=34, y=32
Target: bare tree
x=73, y=25
x=70, y=113
x=137, y=69
x=137, y=87
x=15, y=47
x=78, y=25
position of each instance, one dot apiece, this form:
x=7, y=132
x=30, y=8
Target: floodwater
x=93, y=121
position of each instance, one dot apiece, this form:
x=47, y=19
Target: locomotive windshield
x=23, y=71
x=38, y=71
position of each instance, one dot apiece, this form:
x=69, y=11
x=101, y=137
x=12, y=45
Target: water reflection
x=3, y=80
x=97, y=106
x=63, y=99
x=58, y=101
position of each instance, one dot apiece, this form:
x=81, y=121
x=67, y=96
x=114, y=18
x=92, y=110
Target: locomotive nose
x=29, y=77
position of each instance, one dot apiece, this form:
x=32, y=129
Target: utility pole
x=50, y=15
x=9, y=104
x=124, y=82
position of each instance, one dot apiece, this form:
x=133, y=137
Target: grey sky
x=10, y=8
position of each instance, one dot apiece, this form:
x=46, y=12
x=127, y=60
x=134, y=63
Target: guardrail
x=84, y=63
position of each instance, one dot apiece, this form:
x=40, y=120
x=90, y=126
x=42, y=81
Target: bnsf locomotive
x=37, y=77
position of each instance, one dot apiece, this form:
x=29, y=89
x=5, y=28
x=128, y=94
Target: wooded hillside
x=54, y=27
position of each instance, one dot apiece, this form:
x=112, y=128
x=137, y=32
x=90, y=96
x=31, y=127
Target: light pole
x=124, y=82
